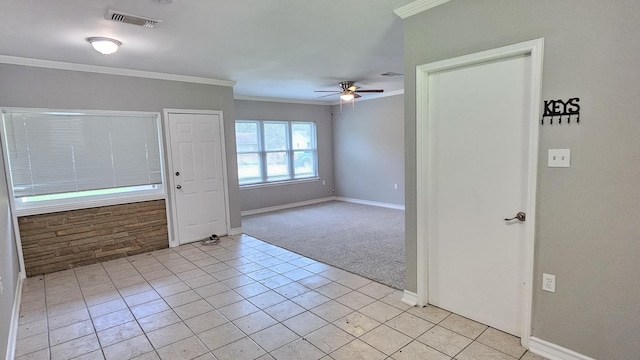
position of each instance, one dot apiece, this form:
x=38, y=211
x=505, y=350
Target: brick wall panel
x=35, y=237
x=64, y=240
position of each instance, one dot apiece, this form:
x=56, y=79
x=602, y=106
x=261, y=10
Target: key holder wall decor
x=560, y=108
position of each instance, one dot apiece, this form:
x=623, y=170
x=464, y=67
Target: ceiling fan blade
x=355, y=95
x=371, y=91
x=331, y=91
x=334, y=94
x=352, y=88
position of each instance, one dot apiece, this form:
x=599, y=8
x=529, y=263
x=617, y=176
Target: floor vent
x=131, y=19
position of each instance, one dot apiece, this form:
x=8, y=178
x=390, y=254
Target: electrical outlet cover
x=549, y=283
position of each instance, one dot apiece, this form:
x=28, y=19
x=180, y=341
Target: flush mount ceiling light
x=104, y=45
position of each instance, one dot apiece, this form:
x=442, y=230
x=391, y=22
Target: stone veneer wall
x=68, y=239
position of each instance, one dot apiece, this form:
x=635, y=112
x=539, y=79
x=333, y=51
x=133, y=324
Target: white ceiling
x=282, y=49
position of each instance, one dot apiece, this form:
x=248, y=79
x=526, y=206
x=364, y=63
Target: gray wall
x=9, y=266
x=588, y=215
x=33, y=87
x=368, y=141
x=272, y=195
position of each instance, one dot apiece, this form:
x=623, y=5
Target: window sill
x=279, y=183
x=87, y=203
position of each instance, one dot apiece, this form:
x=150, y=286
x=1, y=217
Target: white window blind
x=54, y=153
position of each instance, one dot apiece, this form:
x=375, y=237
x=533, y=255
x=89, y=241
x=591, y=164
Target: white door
x=198, y=178
x=479, y=119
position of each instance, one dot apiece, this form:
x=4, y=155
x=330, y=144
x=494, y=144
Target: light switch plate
x=559, y=158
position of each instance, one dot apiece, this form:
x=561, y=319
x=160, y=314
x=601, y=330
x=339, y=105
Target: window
x=60, y=160
x=270, y=151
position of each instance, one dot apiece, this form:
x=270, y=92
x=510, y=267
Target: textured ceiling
x=272, y=48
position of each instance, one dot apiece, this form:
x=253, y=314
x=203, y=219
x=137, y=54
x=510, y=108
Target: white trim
x=171, y=209
x=286, y=206
x=554, y=352
x=78, y=205
x=279, y=183
x=78, y=111
x=15, y=317
x=371, y=96
x=16, y=232
x=13, y=60
x=320, y=200
x=371, y=203
x=279, y=100
x=534, y=48
x=417, y=7
x=225, y=178
x=537, y=57
x=235, y=231
x=410, y=298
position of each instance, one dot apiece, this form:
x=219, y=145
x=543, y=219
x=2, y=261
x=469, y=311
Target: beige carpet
x=366, y=240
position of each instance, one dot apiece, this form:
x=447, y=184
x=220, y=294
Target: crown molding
x=281, y=100
x=315, y=102
x=59, y=65
x=417, y=7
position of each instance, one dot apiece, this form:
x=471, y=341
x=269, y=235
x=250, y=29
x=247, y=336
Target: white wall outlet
x=395, y=186
x=1, y=287
x=549, y=283
x=324, y=182
x=559, y=158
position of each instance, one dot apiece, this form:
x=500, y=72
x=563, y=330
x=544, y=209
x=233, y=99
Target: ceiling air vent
x=391, y=74
x=131, y=19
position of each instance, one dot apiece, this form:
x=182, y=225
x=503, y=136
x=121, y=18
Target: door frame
x=172, y=226
x=534, y=48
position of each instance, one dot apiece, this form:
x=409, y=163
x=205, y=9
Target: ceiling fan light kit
x=347, y=97
x=349, y=92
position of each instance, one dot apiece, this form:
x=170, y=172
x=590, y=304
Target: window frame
x=264, y=179
x=122, y=195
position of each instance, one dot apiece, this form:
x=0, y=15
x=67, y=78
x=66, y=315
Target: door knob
x=179, y=187
x=520, y=216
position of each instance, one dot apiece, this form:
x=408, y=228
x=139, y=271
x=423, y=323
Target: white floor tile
x=240, y=299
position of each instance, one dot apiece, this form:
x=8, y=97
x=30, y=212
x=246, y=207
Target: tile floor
x=240, y=299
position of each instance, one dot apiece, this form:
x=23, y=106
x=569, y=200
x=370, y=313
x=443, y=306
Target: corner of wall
x=15, y=316
x=552, y=351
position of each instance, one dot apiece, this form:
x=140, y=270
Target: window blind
x=53, y=153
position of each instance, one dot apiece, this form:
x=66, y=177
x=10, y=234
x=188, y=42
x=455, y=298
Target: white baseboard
x=235, y=231
x=410, y=298
x=15, y=317
x=286, y=206
x=552, y=351
x=371, y=203
x=320, y=200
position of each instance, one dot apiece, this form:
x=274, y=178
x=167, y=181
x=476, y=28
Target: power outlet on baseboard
x=549, y=283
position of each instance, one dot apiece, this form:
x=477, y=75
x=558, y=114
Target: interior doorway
x=477, y=146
